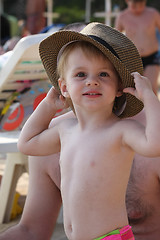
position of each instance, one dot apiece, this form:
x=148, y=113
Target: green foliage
x=71, y=3
x=68, y=15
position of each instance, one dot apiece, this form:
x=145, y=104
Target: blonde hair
x=88, y=49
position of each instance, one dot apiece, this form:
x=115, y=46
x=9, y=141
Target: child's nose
x=92, y=81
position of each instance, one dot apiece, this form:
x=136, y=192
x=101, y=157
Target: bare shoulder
x=121, y=20
x=120, y=127
x=69, y=122
x=128, y=123
x=127, y=126
x=61, y=118
x=151, y=10
x=123, y=14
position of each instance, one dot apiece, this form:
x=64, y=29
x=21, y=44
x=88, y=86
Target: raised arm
x=35, y=137
x=145, y=140
x=43, y=199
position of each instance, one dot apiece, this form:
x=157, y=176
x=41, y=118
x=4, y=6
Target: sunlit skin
x=91, y=80
x=140, y=23
x=143, y=195
x=97, y=148
x=44, y=198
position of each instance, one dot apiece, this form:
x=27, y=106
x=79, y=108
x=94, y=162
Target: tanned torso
x=143, y=198
x=141, y=30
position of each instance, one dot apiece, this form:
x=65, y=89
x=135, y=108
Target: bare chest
x=141, y=26
x=89, y=160
x=143, y=197
x=88, y=149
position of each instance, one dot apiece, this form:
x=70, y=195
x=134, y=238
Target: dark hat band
x=105, y=44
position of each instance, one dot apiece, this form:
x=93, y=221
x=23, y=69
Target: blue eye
x=103, y=74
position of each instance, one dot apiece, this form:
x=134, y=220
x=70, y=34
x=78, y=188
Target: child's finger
x=136, y=74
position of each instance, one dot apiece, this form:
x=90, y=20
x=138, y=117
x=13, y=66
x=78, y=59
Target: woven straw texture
x=126, y=60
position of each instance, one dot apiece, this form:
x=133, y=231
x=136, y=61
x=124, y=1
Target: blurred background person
x=140, y=23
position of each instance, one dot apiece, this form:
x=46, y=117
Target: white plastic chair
x=23, y=66
x=16, y=164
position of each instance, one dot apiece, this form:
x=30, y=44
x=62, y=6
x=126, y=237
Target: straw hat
x=115, y=46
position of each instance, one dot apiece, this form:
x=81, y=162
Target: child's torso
x=94, y=174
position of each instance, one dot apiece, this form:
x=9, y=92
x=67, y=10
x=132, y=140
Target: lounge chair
x=23, y=84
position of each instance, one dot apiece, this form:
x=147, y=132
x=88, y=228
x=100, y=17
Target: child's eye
x=81, y=74
x=103, y=74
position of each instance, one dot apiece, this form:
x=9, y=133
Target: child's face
x=136, y=8
x=89, y=81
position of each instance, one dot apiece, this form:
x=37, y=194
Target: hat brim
x=50, y=47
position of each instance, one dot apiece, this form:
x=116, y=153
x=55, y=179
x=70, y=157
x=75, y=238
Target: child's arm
x=145, y=140
x=35, y=137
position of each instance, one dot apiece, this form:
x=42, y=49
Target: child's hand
x=55, y=99
x=142, y=86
